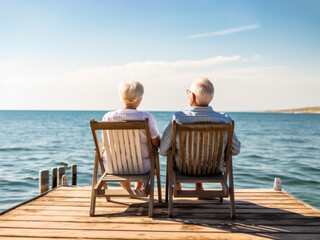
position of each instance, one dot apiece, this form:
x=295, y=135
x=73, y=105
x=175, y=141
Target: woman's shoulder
x=109, y=115
x=146, y=114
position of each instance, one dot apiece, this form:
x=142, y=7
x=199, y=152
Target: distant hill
x=298, y=110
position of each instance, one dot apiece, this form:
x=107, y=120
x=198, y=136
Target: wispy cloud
x=226, y=31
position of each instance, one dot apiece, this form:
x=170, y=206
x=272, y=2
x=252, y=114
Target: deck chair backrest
x=201, y=148
x=122, y=145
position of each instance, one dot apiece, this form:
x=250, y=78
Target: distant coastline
x=315, y=110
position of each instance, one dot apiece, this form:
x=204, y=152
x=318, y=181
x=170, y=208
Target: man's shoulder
x=179, y=114
x=203, y=115
x=221, y=115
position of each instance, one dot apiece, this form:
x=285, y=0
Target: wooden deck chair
x=202, y=150
x=122, y=145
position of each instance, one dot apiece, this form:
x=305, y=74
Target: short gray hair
x=130, y=91
x=203, y=89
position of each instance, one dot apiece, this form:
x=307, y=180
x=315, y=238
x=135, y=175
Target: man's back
x=192, y=115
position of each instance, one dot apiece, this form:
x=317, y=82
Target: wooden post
x=277, y=184
x=61, y=172
x=43, y=181
x=74, y=174
x=64, y=180
x=54, y=177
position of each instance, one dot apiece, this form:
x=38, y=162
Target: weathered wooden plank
x=29, y=238
x=198, y=204
x=311, y=221
x=227, y=228
x=239, y=190
x=178, y=200
x=241, y=197
x=71, y=191
x=195, y=211
x=143, y=211
x=183, y=234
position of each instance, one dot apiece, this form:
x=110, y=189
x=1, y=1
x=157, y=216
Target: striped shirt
x=196, y=114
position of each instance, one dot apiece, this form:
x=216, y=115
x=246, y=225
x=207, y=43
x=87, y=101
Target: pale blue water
x=273, y=145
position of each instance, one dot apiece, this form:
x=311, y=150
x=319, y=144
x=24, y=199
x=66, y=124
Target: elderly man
x=200, y=95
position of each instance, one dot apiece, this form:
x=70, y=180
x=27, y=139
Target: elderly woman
x=131, y=94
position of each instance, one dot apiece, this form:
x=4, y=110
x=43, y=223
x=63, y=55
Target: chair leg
x=106, y=187
x=159, y=189
x=93, y=203
x=232, y=205
x=170, y=193
x=170, y=198
x=167, y=183
x=158, y=179
x=151, y=196
x=221, y=199
x=231, y=191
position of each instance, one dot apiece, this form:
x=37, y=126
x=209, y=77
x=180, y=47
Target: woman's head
x=130, y=91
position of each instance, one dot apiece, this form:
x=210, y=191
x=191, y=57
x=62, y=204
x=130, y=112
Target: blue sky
x=73, y=54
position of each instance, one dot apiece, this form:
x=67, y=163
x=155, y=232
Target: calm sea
x=273, y=145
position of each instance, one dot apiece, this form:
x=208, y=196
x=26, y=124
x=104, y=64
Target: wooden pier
x=63, y=213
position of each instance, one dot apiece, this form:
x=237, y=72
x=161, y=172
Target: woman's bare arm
x=156, y=141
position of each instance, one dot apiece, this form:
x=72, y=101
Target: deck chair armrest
x=153, y=158
x=170, y=159
x=169, y=155
x=228, y=167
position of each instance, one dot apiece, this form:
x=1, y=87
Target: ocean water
x=273, y=145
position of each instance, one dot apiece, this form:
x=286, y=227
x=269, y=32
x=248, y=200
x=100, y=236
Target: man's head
x=131, y=91
x=201, y=92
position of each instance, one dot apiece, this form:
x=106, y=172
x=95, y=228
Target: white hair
x=203, y=90
x=130, y=91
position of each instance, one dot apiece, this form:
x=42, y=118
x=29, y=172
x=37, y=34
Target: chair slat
x=107, y=148
x=117, y=150
x=184, y=140
x=220, y=151
x=123, y=158
x=138, y=147
x=127, y=151
x=205, y=153
x=195, y=148
x=200, y=152
x=181, y=150
x=113, y=152
x=189, y=156
x=215, y=151
x=210, y=157
x=133, y=152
